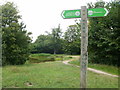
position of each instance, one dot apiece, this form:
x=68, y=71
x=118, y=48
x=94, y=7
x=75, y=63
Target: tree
x=15, y=39
x=50, y=43
x=43, y=44
x=56, y=35
x=104, y=35
x=72, y=40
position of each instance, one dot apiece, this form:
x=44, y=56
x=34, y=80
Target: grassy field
x=105, y=68
x=52, y=75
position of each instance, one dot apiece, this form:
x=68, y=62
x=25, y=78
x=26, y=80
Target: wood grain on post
x=84, y=44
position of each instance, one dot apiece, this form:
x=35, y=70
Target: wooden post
x=84, y=44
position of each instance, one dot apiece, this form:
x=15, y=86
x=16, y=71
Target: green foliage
x=56, y=38
x=43, y=44
x=44, y=57
x=50, y=43
x=67, y=58
x=72, y=40
x=41, y=54
x=54, y=42
x=15, y=39
x=104, y=35
x=38, y=59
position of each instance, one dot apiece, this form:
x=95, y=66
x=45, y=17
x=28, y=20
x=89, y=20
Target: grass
x=43, y=57
x=105, y=68
x=52, y=75
x=37, y=58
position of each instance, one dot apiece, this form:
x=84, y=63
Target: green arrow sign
x=95, y=12
x=71, y=14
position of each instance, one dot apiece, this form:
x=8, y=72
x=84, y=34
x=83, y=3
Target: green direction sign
x=95, y=12
x=71, y=14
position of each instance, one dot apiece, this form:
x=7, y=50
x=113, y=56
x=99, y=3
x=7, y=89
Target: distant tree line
x=57, y=43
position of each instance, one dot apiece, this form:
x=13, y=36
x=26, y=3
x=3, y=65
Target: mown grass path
x=90, y=69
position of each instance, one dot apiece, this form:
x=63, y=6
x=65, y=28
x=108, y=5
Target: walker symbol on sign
x=77, y=13
x=90, y=12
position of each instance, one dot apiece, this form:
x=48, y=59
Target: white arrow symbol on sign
x=62, y=14
x=106, y=12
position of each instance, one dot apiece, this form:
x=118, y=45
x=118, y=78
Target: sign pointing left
x=70, y=14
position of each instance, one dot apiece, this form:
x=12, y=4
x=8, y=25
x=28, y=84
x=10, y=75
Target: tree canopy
x=15, y=39
x=104, y=35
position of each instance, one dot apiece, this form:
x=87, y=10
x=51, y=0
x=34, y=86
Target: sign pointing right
x=97, y=12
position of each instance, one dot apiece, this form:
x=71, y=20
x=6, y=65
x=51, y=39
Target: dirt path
x=90, y=69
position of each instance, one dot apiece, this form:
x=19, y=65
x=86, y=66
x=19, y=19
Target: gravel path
x=90, y=69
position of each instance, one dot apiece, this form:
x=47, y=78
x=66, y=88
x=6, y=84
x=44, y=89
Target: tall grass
x=105, y=68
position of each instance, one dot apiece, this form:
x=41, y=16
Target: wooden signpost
x=84, y=44
x=84, y=13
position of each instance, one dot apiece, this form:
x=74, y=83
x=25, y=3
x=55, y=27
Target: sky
x=43, y=15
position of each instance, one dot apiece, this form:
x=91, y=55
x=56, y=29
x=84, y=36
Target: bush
x=104, y=36
x=37, y=58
